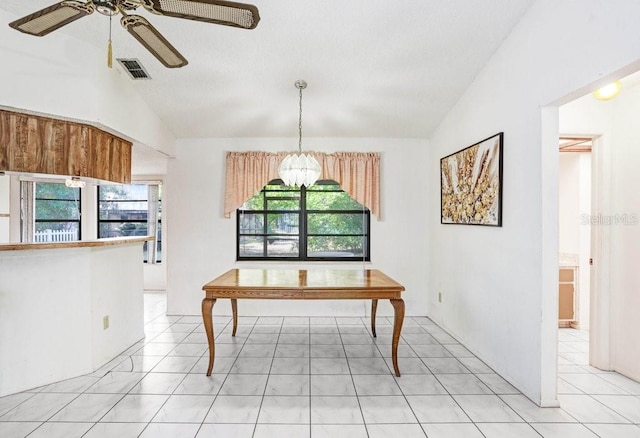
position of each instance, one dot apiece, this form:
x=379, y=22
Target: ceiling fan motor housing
x=112, y=7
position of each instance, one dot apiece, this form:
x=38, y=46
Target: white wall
x=500, y=284
x=201, y=243
x=619, y=221
x=574, y=205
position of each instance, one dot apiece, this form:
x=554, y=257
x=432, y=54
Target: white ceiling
x=375, y=68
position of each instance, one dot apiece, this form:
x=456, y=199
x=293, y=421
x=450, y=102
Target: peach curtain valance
x=357, y=173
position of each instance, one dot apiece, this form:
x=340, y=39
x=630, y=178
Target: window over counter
x=132, y=210
x=318, y=223
x=57, y=212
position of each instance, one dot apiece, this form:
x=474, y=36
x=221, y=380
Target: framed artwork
x=471, y=184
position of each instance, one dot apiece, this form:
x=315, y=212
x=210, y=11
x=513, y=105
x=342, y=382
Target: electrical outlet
x=439, y=297
x=105, y=322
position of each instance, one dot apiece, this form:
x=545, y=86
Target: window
x=132, y=210
x=57, y=213
x=321, y=222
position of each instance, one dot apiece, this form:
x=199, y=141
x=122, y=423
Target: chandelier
x=299, y=169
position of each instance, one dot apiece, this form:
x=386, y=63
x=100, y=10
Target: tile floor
x=316, y=377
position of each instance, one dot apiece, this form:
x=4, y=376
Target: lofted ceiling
x=374, y=68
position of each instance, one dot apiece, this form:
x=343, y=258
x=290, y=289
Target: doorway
x=574, y=245
x=613, y=326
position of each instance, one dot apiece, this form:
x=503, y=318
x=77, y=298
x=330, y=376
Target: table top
x=305, y=284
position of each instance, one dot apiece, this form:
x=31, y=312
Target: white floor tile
x=341, y=430
x=563, y=430
x=376, y=385
x=592, y=384
x=399, y=430
x=588, y=410
x=511, y=430
x=244, y=384
x=418, y=384
x=119, y=430
x=336, y=365
x=615, y=430
x=116, y=382
x=137, y=408
x=335, y=410
x=435, y=430
x=463, y=384
x=626, y=405
x=290, y=365
x=285, y=410
x=40, y=407
x=226, y=431
x=437, y=409
x=11, y=401
x=253, y=365
x=61, y=430
x=282, y=431
x=19, y=429
x=88, y=408
x=292, y=350
x=77, y=385
x=327, y=351
x=369, y=365
x=288, y=384
x=160, y=430
x=175, y=364
x=234, y=409
x=386, y=409
x=184, y=409
x=200, y=384
x=445, y=365
x=487, y=409
x=409, y=365
x=158, y=383
x=497, y=384
x=336, y=384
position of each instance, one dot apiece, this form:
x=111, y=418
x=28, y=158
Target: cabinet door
x=566, y=291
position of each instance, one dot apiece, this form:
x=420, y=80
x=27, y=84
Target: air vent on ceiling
x=134, y=68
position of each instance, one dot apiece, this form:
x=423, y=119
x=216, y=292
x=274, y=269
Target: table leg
x=398, y=319
x=234, y=309
x=207, y=318
x=374, y=307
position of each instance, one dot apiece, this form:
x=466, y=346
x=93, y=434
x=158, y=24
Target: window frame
x=303, y=216
x=28, y=209
x=157, y=241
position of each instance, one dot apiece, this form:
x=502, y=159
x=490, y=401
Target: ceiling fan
x=227, y=13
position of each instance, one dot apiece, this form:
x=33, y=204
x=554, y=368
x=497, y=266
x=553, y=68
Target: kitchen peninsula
x=67, y=308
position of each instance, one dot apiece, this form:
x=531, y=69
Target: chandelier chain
x=300, y=124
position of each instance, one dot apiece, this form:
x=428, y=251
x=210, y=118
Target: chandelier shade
x=299, y=169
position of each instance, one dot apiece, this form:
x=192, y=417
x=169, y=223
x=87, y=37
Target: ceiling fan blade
x=155, y=43
x=210, y=11
x=54, y=17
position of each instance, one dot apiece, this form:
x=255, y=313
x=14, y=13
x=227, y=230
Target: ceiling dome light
x=608, y=91
x=299, y=169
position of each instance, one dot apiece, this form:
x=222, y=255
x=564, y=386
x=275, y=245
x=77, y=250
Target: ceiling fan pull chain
x=109, y=47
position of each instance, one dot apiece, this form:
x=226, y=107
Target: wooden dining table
x=301, y=284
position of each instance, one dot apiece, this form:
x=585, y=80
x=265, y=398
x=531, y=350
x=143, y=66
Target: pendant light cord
x=300, y=124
